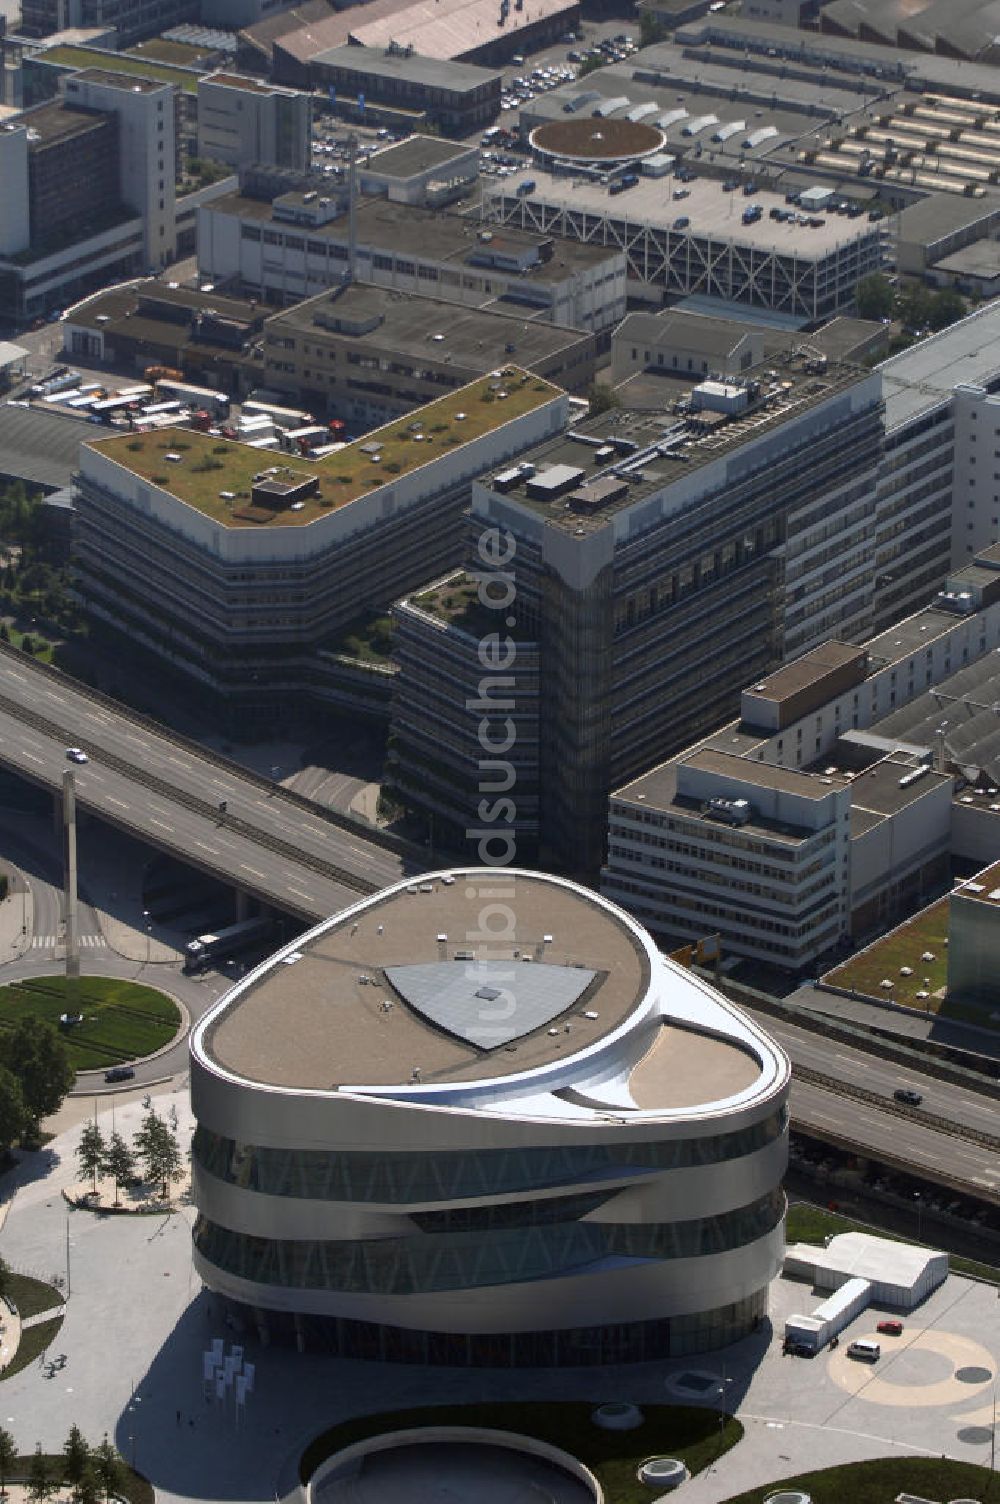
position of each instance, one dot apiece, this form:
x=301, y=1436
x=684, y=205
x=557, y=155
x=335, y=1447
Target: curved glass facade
x=570, y=1347
x=429, y=1262
x=402, y=1179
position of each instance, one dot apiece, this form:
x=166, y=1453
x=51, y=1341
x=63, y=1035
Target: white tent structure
x=861, y=1270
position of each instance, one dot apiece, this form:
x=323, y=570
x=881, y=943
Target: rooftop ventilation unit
x=730, y=811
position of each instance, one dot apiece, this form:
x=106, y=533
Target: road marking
x=299, y=894
x=214, y=850
x=120, y=802
x=251, y=869
x=161, y=823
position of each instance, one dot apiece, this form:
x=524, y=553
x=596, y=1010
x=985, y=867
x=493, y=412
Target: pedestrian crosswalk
x=49, y=942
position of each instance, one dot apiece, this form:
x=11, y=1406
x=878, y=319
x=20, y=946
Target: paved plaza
x=137, y=1323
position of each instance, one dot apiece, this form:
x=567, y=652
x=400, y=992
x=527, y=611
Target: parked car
x=120, y=1073
x=891, y=1328
x=907, y=1095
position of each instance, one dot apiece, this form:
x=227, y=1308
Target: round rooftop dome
x=596, y=140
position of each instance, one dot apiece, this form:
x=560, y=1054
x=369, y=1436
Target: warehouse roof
x=40, y=448
x=941, y=214
x=433, y=72
x=924, y=376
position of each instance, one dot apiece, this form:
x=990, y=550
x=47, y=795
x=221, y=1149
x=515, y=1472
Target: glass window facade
x=407, y=1178
x=623, y=1342
x=463, y=1259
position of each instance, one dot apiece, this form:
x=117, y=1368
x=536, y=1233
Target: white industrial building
x=243, y=121
x=491, y=1130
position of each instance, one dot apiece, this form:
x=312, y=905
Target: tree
x=915, y=304
x=91, y=1151
x=33, y=1052
x=88, y=1490
x=4, y=1279
x=41, y=1484
x=76, y=1458
x=13, y=1113
x=8, y=1458
x=947, y=307
x=601, y=398
x=158, y=1149
x=650, y=29
x=875, y=298
x=119, y=1163
x=109, y=1469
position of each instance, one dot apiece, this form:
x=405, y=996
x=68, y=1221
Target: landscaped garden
x=693, y=1435
x=119, y=1020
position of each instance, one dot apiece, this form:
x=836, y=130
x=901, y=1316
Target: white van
x=864, y=1348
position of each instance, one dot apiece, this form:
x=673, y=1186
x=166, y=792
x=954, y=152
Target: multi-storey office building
x=458, y=661
x=299, y=245
x=131, y=20
x=87, y=187
x=939, y=493
x=243, y=121
x=456, y=97
x=661, y=560
x=446, y=1154
x=236, y=571
x=818, y=813
x=369, y=355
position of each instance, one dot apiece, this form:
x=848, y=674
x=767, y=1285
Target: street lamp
x=149, y=935
x=920, y=1207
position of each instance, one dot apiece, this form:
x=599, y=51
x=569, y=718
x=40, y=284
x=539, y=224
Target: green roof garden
x=216, y=476
x=120, y=62
x=456, y=602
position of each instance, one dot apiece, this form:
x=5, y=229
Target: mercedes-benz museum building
x=479, y=1119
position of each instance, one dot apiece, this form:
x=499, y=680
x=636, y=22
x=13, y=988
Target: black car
x=120, y=1073
x=908, y=1095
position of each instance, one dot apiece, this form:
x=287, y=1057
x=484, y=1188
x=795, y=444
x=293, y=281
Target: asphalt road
x=203, y=838
x=857, y=1068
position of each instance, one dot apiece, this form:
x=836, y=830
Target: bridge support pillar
x=242, y=905
x=69, y=890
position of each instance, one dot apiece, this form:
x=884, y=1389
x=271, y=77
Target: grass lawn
x=613, y=1456
x=814, y=1224
x=32, y=1295
x=122, y=1020
x=883, y=1479
x=31, y=1346
x=43, y=648
x=926, y=931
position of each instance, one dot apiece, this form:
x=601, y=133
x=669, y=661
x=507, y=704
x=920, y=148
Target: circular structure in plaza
x=430, y=1464
x=663, y=1472
x=596, y=140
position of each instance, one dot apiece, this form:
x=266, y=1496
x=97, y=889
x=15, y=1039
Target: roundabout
x=596, y=142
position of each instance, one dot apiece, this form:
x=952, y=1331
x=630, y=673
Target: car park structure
x=553, y=1146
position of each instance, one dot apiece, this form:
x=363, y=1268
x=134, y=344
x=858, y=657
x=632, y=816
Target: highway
x=856, y=1068
x=147, y=781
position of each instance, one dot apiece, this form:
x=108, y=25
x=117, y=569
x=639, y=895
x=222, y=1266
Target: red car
x=890, y=1328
